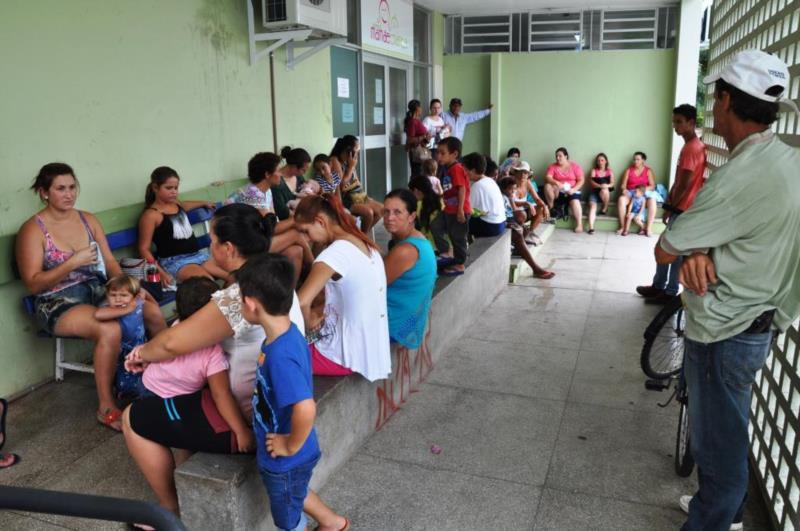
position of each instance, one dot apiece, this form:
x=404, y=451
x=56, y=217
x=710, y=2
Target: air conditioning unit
x=325, y=17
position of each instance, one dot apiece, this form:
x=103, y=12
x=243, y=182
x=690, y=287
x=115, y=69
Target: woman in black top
x=164, y=223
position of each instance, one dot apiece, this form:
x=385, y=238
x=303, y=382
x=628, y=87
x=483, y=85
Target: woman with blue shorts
x=165, y=225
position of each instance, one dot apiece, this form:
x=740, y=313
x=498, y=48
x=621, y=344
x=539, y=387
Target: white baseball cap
x=520, y=166
x=754, y=72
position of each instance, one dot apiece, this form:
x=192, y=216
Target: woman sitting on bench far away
x=64, y=259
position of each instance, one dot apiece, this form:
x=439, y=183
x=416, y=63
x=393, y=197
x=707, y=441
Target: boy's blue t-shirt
x=283, y=379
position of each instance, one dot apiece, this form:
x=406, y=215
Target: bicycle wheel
x=662, y=353
x=684, y=462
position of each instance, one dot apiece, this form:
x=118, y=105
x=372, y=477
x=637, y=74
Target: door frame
x=384, y=140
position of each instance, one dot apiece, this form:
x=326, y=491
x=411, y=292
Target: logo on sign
x=382, y=29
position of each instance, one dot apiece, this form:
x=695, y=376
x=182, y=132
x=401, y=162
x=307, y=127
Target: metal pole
x=88, y=506
x=272, y=103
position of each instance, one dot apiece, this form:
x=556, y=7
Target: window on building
x=422, y=55
x=618, y=29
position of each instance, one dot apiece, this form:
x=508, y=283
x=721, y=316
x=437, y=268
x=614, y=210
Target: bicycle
x=662, y=362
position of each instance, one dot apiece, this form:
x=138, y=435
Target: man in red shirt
x=689, y=178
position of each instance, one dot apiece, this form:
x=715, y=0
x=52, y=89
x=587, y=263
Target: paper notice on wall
x=378, y=91
x=343, y=87
x=377, y=115
x=348, y=114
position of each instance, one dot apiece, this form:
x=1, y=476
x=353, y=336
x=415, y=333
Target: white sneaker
x=684, y=503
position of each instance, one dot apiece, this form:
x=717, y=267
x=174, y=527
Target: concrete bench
x=116, y=241
x=225, y=492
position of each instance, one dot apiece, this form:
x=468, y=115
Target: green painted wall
x=616, y=102
x=467, y=77
x=117, y=88
x=437, y=38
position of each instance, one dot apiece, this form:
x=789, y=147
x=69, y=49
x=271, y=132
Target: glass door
x=375, y=152
x=398, y=104
x=385, y=97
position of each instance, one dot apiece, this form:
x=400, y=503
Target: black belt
x=762, y=323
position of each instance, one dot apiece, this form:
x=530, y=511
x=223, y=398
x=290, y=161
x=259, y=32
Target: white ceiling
x=484, y=7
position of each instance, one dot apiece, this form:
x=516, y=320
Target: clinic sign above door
x=387, y=27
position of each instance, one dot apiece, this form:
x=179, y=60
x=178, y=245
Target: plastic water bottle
x=99, y=265
x=151, y=273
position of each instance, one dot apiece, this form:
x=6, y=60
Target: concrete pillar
x=495, y=142
x=687, y=62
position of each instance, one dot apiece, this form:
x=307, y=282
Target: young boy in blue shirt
x=283, y=399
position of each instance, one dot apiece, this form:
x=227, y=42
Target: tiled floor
x=540, y=412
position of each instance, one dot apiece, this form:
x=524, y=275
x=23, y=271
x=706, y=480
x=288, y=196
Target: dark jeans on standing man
x=719, y=377
x=447, y=225
x=666, y=276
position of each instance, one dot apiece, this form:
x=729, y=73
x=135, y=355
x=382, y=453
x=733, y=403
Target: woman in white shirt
x=435, y=125
x=350, y=332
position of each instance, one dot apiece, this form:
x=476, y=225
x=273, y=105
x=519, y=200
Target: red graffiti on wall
x=403, y=376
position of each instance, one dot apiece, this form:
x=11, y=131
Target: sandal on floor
x=444, y=261
x=16, y=460
x=544, y=276
x=345, y=528
x=108, y=419
x=3, y=422
x=452, y=272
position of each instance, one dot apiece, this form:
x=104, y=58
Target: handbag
x=135, y=267
x=420, y=153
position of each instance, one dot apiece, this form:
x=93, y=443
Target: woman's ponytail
x=244, y=227
x=297, y=157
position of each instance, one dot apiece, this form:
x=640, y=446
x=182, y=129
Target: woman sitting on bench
x=164, y=223
x=64, y=259
x=262, y=171
x=344, y=296
x=238, y=233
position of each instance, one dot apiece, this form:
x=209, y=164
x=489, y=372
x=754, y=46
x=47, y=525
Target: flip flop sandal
x=108, y=418
x=3, y=422
x=345, y=528
x=16, y=460
x=444, y=261
x=544, y=276
x=452, y=272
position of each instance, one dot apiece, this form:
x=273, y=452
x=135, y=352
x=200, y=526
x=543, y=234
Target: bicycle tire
x=684, y=462
x=662, y=352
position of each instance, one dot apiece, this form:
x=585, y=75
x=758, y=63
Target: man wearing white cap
x=741, y=247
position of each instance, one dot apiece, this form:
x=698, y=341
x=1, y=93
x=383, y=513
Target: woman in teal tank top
x=410, y=270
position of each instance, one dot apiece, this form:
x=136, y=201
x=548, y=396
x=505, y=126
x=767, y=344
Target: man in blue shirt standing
x=458, y=121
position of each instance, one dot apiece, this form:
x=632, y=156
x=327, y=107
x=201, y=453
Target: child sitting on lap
x=327, y=179
x=125, y=299
x=188, y=374
x=635, y=211
x=283, y=402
